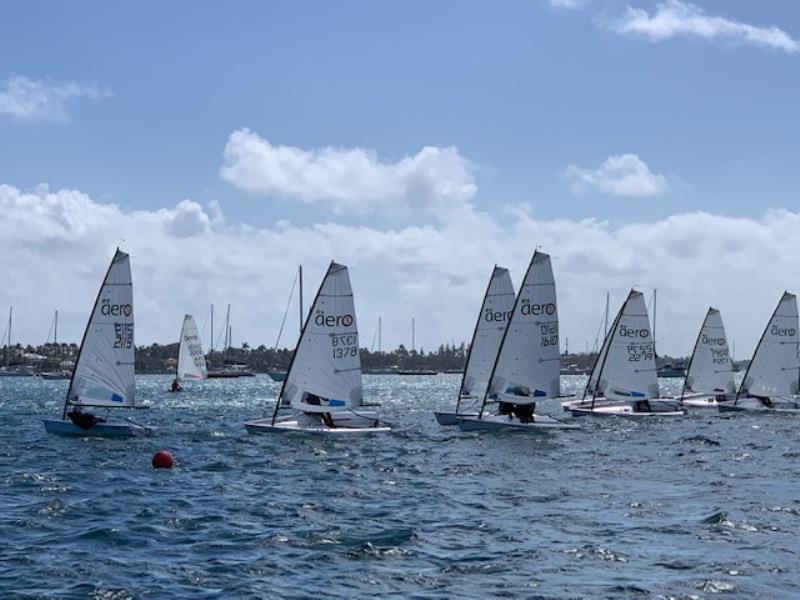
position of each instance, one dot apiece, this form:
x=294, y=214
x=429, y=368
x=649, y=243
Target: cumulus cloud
x=26, y=99
x=349, y=179
x=620, y=175
x=56, y=245
x=675, y=18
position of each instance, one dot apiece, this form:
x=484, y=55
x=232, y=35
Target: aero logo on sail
x=115, y=310
x=324, y=320
x=496, y=315
x=783, y=331
x=713, y=341
x=537, y=309
x=631, y=332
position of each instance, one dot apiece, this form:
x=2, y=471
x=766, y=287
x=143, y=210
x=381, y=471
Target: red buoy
x=162, y=460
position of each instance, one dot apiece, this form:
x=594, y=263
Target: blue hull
x=104, y=430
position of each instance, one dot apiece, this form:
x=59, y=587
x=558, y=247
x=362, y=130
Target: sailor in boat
x=83, y=420
x=176, y=386
x=315, y=400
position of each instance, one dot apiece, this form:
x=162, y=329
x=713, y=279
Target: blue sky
x=533, y=97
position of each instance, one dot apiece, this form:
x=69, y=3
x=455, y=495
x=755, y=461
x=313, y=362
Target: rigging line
x=374, y=337
x=203, y=328
x=286, y=312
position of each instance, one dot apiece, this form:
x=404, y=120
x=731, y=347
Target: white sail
x=492, y=320
x=629, y=369
x=773, y=372
x=325, y=374
x=591, y=385
x=528, y=364
x=191, y=360
x=103, y=375
x=710, y=368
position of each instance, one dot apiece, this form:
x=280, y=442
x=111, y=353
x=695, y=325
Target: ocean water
x=700, y=507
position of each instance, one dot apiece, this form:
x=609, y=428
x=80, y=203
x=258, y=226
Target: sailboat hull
x=344, y=423
x=629, y=411
x=540, y=424
x=450, y=419
x=701, y=401
x=754, y=405
x=104, y=430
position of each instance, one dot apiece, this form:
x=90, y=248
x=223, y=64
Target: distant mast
x=300, y=277
x=8, y=339
x=413, y=334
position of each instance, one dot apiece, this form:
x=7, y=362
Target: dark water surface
x=701, y=507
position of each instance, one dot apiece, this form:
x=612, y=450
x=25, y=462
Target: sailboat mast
x=605, y=318
x=413, y=334
x=300, y=277
x=380, y=327
x=8, y=347
x=211, y=345
x=55, y=329
x=227, y=329
x=655, y=314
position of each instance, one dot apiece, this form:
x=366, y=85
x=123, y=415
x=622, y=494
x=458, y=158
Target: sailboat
x=9, y=370
x=63, y=373
x=623, y=380
x=528, y=363
x=498, y=302
x=191, y=360
x=709, y=377
x=103, y=376
x=323, y=385
x=276, y=374
x=230, y=368
x=770, y=383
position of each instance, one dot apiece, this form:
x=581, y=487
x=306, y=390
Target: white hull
x=701, y=401
x=449, y=419
x=540, y=423
x=755, y=405
x=104, y=430
x=656, y=409
x=344, y=423
x=586, y=403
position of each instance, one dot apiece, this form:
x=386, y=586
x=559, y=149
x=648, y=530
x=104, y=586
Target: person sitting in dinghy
x=176, y=386
x=315, y=400
x=524, y=412
x=83, y=420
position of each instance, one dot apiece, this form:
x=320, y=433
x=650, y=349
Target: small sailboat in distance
x=623, y=382
x=771, y=382
x=528, y=363
x=709, y=377
x=498, y=302
x=323, y=385
x=103, y=376
x=191, y=360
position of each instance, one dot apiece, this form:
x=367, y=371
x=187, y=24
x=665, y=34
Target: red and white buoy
x=162, y=460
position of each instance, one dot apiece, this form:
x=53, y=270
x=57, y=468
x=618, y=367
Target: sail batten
x=191, y=360
x=104, y=372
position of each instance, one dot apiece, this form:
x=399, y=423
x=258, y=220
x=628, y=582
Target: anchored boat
x=623, y=381
x=323, y=388
x=770, y=383
x=709, y=377
x=528, y=364
x=498, y=302
x=103, y=376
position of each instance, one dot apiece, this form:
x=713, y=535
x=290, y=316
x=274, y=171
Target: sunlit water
x=701, y=507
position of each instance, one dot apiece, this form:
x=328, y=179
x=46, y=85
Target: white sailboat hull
x=657, y=408
x=586, y=403
x=755, y=405
x=540, y=423
x=701, y=401
x=450, y=419
x=104, y=430
x=366, y=422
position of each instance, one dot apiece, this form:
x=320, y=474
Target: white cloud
x=349, y=179
x=567, y=4
x=675, y=18
x=620, y=175
x=56, y=246
x=26, y=99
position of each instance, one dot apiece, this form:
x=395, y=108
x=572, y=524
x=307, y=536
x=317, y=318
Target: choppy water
x=701, y=507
